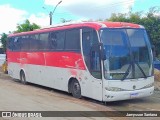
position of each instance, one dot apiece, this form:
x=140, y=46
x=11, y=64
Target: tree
x=27, y=26
x=152, y=25
x=4, y=41
x=118, y=17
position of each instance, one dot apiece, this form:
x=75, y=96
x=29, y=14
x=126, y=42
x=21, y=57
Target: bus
x=105, y=61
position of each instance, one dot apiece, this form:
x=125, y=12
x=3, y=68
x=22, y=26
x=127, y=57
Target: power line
x=115, y=4
x=104, y=6
x=109, y=6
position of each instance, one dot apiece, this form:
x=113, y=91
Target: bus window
x=34, y=42
x=60, y=40
x=53, y=41
x=56, y=40
x=89, y=38
x=72, y=40
x=24, y=43
x=10, y=43
x=43, y=43
x=95, y=63
x=16, y=44
x=91, y=51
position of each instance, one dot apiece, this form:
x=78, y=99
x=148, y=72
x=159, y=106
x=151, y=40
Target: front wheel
x=76, y=89
x=22, y=77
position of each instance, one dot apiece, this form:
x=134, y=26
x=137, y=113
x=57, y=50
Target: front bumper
x=125, y=95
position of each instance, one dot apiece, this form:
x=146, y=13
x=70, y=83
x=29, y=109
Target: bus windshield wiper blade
x=127, y=72
x=141, y=69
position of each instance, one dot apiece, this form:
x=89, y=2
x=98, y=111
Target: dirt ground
x=18, y=97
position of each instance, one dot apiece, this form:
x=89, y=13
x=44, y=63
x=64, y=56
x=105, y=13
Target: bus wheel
x=22, y=77
x=76, y=89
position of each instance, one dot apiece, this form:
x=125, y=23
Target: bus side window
x=89, y=39
x=91, y=52
x=16, y=44
x=56, y=40
x=95, y=64
x=72, y=41
x=34, y=42
x=43, y=41
x=60, y=40
x=52, y=41
x=10, y=43
x=24, y=43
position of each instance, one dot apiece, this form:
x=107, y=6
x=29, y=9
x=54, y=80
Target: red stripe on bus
x=55, y=59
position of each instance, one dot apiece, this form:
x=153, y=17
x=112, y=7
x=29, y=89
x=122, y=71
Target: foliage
x=3, y=41
x=27, y=26
x=150, y=20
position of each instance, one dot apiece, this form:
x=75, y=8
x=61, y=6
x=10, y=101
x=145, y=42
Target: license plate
x=134, y=95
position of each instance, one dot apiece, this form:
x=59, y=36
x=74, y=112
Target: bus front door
x=95, y=71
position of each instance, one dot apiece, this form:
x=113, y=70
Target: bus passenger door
x=95, y=70
x=92, y=83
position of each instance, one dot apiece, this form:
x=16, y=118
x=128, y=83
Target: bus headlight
x=149, y=85
x=114, y=89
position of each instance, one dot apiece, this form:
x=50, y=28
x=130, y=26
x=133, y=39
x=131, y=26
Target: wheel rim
x=23, y=80
x=76, y=88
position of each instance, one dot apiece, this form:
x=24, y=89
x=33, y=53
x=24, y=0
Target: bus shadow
x=42, y=87
x=113, y=104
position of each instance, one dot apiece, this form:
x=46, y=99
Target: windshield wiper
x=141, y=69
x=127, y=72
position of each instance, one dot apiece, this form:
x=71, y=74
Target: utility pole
x=52, y=12
x=50, y=17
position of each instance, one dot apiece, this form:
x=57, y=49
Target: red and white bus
x=105, y=61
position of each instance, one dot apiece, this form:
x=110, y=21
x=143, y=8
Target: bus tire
x=76, y=89
x=23, y=77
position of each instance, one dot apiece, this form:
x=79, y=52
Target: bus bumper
x=125, y=95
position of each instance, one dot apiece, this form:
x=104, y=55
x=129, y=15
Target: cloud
x=9, y=18
x=94, y=9
x=68, y=9
x=40, y=19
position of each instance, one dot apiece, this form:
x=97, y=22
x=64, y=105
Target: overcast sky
x=13, y=12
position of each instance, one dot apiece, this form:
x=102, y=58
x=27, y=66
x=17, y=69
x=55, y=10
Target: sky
x=14, y=12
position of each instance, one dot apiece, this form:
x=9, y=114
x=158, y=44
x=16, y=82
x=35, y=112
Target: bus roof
x=70, y=25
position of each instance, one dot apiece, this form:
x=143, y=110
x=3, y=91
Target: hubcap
x=76, y=88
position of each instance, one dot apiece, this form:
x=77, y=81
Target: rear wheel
x=22, y=77
x=76, y=89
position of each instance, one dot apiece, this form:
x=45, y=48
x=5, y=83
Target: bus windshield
x=128, y=54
